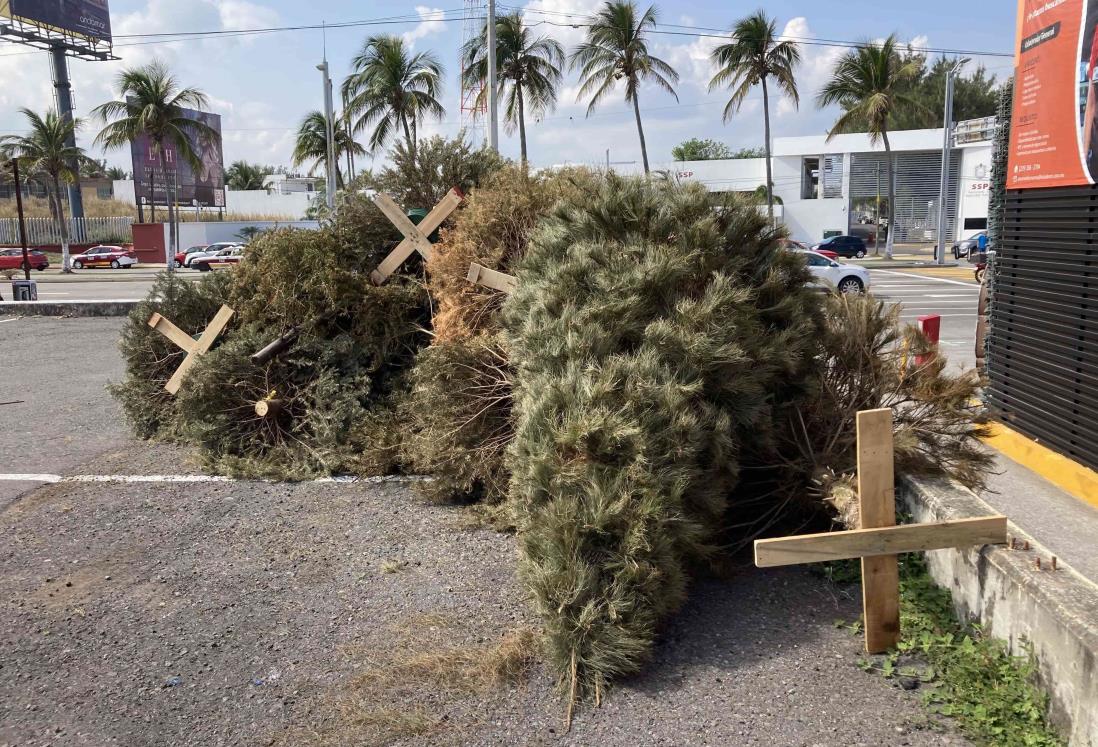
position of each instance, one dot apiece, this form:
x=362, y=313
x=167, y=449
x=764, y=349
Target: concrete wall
x=1054, y=614
x=191, y=234
x=255, y=202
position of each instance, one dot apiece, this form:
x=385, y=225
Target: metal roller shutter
x=1043, y=341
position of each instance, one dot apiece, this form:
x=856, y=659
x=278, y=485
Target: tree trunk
x=408, y=136
x=521, y=124
x=169, y=250
x=152, y=195
x=766, y=147
x=891, y=197
x=64, y=229
x=640, y=131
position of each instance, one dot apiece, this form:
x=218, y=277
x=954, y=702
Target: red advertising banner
x=1054, y=129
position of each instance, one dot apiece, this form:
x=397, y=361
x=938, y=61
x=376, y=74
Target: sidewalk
x=1065, y=524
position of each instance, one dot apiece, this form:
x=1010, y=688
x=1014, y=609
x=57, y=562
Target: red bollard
x=931, y=326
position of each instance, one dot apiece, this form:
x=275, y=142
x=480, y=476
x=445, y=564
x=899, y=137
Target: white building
x=828, y=187
x=288, y=205
x=283, y=184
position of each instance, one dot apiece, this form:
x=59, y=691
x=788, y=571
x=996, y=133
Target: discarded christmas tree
x=650, y=336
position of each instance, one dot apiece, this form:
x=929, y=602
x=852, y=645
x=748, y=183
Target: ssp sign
x=1054, y=128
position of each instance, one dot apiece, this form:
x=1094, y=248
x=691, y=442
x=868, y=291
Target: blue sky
x=264, y=84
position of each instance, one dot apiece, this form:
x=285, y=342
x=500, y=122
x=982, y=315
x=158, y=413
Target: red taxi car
x=105, y=256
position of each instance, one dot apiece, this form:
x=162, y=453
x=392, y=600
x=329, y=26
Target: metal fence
x=44, y=231
x=1042, y=355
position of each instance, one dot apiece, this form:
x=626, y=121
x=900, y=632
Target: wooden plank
x=493, y=279
x=877, y=508
x=860, y=543
x=414, y=236
x=205, y=341
x=172, y=332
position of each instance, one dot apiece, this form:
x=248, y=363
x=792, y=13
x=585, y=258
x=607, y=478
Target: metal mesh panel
x=832, y=178
x=1043, y=342
x=917, y=177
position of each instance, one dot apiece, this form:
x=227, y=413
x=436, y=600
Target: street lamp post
x=329, y=132
x=493, y=106
x=947, y=144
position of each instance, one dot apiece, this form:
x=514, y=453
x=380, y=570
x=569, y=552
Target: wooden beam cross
x=194, y=348
x=415, y=237
x=878, y=541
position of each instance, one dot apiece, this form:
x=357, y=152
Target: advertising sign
x=88, y=18
x=1054, y=129
x=202, y=188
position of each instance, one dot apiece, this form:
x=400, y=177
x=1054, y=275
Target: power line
x=700, y=31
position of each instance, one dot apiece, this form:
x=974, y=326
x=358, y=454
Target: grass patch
x=968, y=675
x=409, y=690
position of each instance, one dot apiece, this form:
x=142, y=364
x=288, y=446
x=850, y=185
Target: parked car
x=230, y=256
x=831, y=274
x=12, y=259
x=844, y=246
x=181, y=257
x=105, y=256
x=800, y=246
x=209, y=251
x=965, y=246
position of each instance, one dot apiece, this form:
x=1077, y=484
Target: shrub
x=650, y=336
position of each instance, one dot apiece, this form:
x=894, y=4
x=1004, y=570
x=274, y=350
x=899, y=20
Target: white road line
x=928, y=277
x=8, y=320
x=48, y=478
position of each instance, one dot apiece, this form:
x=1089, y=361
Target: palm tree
x=389, y=89
x=152, y=103
x=528, y=69
x=44, y=151
x=752, y=56
x=242, y=175
x=616, y=49
x=312, y=144
x=868, y=84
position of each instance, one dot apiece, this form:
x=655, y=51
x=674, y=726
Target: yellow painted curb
x=1058, y=469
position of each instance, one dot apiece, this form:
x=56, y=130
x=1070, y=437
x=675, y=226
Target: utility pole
x=877, y=216
x=493, y=105
x=63, y=95
x=947, y=144
x=22, y=223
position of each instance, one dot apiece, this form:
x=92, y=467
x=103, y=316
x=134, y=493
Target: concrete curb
x=118, y=307
x=1054, y=613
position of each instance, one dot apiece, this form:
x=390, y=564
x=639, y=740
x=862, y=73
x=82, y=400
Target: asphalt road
x=955, y=300
x=96, y=285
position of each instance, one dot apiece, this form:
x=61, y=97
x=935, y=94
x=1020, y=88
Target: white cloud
x=817, y=62
x=559, y=19
x=431, y=23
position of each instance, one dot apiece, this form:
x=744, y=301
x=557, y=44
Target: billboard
x=202, y=188
x=1054, y=127
x=89, y=18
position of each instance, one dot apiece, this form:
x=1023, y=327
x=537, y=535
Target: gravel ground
x=252, y=613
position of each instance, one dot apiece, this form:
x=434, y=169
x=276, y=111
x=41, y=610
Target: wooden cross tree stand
x=194, y=348
x=878, y=541
x=415, y=236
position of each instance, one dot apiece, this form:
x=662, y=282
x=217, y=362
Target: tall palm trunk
x=640, y=131
x=64, y=229
x=891, y=196
x=408, y=135
x=521, y=124
x=766, y=147
x=169, y=250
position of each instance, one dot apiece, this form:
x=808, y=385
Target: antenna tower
x=473, y=108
